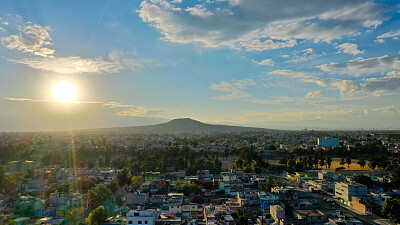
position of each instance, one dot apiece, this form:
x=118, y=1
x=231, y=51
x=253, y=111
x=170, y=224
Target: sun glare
x=64, y=91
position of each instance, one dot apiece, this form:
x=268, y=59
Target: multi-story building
x=345, y=190
x=138, y=217
x=173, y=203
x=248, y=198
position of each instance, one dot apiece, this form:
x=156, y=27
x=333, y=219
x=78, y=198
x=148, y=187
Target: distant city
x=195, y=173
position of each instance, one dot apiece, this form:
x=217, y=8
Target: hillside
x=181, y=126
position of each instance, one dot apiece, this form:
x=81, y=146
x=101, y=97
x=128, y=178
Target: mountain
x=181, y=126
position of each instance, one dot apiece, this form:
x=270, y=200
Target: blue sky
x=285, y=64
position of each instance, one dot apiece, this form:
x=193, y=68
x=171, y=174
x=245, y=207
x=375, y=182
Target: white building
x=138, y=217
x=345, y=190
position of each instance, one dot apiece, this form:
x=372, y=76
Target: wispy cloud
x=78, y=65
x=265, y=62
x=234, y=89
x=389, y=34
x=119, y=109
x=291, y=73
x=315, y=94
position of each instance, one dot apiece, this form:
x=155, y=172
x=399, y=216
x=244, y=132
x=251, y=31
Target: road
x=366, y=219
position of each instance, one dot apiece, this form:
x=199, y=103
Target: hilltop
x=181, y=126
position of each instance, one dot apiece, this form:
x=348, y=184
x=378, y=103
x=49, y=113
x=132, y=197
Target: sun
x=64, y=91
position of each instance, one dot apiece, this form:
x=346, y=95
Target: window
x=139, y=222
x=136, y=214
x=130, y=222
x=145, y=222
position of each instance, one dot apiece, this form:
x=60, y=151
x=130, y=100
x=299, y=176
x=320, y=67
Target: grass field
x=227, y=163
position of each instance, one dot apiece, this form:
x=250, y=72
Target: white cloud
x=390, y=34
x=384, y=111
x=258, y=25
x=32, y=39
x=379, y=41
x=78, y=65
x=363, y=66
x=301, y=56
x=390, y=82
x=349, y=48
x=257, y=45
x=291, y=73
x=234, y=89
x=344, y=86
x=315, y=94
x=266, y=62
x=5, y=23
x=199, y=10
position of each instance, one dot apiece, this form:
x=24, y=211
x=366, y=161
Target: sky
x=284, y=64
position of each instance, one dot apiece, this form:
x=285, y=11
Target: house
x=248, y=198
x=364, y=205
x=310, y=216
x=270, y=199
x=140, y=217
x=152, y=176
x=136, y=198
x=173, y=203
x=277, y=213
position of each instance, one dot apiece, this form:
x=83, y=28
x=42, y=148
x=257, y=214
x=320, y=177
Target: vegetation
x=362, y=179
x=98, y=194
x=390, y=209
x=97, y=216
x=73, y=216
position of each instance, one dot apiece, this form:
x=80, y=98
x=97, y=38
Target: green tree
x=123, y=177
x=390, y=209
x=73, y=216
x=328, y=161
x=136, y=182
x=362, y=179
x=7, y=220
x=114, y=186
x=30, y=173
x=395, y=179
x=98, y=194
x=84, y=185
x=64, y=188
x=348, y=161
x=361, y=162
x=97, y=216
x=342, y=161
x=372, y=164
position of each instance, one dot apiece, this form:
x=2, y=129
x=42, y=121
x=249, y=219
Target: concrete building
x=345, y=190
x=248, y=198
x=173, y=203
x=277, y=213
x=310, y=216
x=138, y=217
x=328, y=142
x=136, y=198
